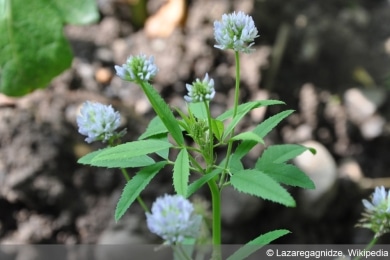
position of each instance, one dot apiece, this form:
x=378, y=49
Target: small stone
x=103, y=75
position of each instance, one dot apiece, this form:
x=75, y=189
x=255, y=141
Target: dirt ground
x=328, y=60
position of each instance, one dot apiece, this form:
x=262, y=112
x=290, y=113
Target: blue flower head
x=173, y=219
x=377, y=212
x=236, y=31
x=98, y=122
x=137, y=69
x=200, y=91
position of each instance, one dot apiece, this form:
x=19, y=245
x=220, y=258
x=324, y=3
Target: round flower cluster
x=137, y=69
x=98, y=122
x=172, y=219
x=377, y=212
x=200, y=91
x=236, y=31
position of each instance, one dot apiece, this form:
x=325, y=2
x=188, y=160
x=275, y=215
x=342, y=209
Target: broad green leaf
x=130, y=150
x=33, y=48
x=279, y=154
x=155, y=127
x=196, y=185
x=261, y=130
x=248, y=136
x=253, y=104
x=76, y=11
x=257, y=243
x=287, y=174
x=163, y=111
x=181, y=172
x=135, y=186
x=199, y=110
x=255, y=182
x=217, y=127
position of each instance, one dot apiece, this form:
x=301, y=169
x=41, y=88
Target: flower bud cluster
x=137, y=69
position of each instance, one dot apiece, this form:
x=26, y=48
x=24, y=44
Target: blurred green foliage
x=33, y=48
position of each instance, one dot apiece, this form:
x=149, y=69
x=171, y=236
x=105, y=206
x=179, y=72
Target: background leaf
x=257, y=243
x=135, y=186
x=181, y=172
x=39, y=23
x=257, y=183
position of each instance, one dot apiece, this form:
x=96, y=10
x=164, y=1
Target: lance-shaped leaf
x=280, y=154
x=163, y=111
x=181, y=172
x=287, y=174
x=135, y=186
x=255, y=182
x=257, y=243
x=261, y=130
x=129, y=150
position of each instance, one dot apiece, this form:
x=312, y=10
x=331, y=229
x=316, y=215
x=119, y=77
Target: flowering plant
x=173, y=217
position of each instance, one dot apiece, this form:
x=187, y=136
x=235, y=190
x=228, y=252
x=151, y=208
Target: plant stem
x=216, y=226
x=368, y=247
x=210, y=155
x=139, y=199
x=236, y=99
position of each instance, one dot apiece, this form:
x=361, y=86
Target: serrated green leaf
x=33, y=48
x=133, y=162
x=155, y=127
x=196, y=185
x=257, y=243
x=163, y=111
x=253, y=104
x=287, y=174
x=279, y=154
x=135, y=186
x=181, y=173
x=87, y=159
x=261, y=130
x=217, y=127
x=130, y=150
x=255, y=182
x=163, y=153
x=244, y=109
x=248, y=136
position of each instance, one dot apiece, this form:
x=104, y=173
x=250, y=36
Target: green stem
x=236, y=99
x=139, y=199
x=216, y=226
x=210, y=153
x=368, y=247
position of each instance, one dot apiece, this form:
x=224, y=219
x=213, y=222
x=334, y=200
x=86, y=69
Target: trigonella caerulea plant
x=187, y=141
